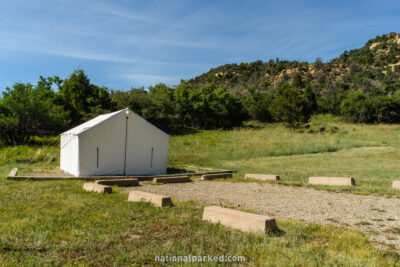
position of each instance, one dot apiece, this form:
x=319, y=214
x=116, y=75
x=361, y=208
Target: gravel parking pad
x=377, y=216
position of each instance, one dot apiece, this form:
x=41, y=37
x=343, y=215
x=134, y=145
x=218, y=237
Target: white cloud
x=90, y=55
x=122, y=13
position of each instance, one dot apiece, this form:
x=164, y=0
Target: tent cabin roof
x=91, y=123
x=96, y=121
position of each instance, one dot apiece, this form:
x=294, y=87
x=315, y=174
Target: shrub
x=355, y=107
x=26, y=111
x=258, y=104
x=385, y=109
x=291, y=107
x=359, y=108
x=214, y=107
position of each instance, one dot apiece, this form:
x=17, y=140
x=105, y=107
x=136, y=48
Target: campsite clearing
x=378, y=217
x=57, y=223
x=330, y=147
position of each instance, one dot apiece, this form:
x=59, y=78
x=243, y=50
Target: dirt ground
x=378, y=217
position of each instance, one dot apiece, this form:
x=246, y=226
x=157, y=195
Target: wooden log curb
x=93, y=178
x=244, y=221
x=168, y=180
x=263, y=177
x=119, y=182
x=342, y=181
x=98, y=188
x=206, y=177
x=157, y=200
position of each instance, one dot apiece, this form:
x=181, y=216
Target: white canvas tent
x=118, y=143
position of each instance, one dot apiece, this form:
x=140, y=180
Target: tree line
x=54, y=105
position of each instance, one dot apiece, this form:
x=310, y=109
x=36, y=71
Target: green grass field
x=369, y=153
x=56, y=223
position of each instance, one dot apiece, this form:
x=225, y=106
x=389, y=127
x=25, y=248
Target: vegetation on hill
x=363, y=85
x=367, y=78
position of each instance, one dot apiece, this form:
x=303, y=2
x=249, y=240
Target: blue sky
x=124, y=44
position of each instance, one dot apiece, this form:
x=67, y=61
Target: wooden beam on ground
x=93, y=178
x=213, y=176
x=169, y=180
x=195, y=173
x=119, y=182
x=63, y=178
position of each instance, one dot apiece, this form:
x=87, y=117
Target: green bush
x=357, y=107
x=26, y=111
x=186, y=106
x=290, y=106
x=82, y=99
x=258, y=105
x=385, y=109
x=212, y=107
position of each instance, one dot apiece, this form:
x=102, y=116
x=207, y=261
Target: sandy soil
x=378, y=217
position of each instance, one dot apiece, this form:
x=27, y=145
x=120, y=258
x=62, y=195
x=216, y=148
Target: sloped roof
x=91, y=123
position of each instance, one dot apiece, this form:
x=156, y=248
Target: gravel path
x=378, y=217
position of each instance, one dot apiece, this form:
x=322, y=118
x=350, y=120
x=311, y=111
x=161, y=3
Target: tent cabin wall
x=69, y=154
x=147, y=151
x=101, y=148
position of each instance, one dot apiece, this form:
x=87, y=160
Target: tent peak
x=93, y=122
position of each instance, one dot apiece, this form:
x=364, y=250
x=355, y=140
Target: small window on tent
x=97, y=157
x=151, y=157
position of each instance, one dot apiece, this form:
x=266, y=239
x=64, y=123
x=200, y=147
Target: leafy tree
x=290, y=106
x=311, y=100
x=100, y=97
x=355, y=107
x=318, y=63
x=49, y=82
x=298, y=81
x=136, y=99
x=26, y=111
x=156, y=105
x=161, y=110
x=258, y=104
x=75, y=92
x=385, y=109
x=183, y=95
x=214, y=107
x=80, y=97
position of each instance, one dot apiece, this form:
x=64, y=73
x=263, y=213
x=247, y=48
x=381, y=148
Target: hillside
x=361, y=85
x=373, y=69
